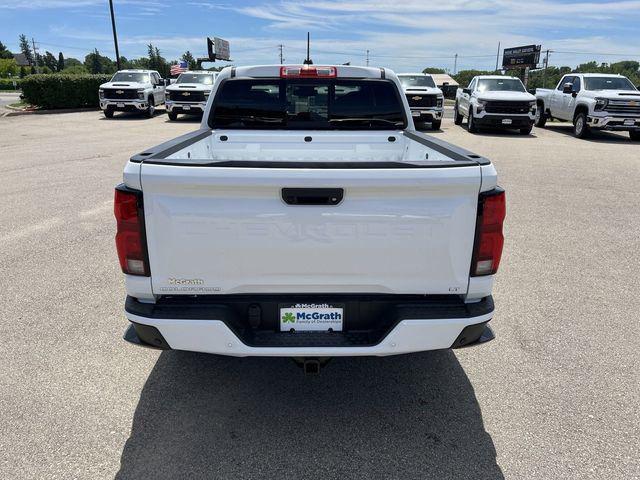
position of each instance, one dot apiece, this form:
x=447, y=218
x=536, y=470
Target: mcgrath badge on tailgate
x=311, y=317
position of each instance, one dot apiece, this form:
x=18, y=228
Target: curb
x=16, y=111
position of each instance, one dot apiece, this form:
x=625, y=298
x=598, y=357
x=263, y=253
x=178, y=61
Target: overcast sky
x=404, y=36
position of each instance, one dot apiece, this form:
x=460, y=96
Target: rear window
x=307, y=104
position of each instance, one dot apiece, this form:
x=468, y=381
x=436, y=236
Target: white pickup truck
x=307, y=218
x=425, y=99
x=189, y=94
x=495, y=101
x=592, y=101
x=132, y=91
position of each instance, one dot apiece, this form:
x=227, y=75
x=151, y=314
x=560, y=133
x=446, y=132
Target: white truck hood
x=612, y=94
x=124, y=85
x=192, y=87
x=501, y=95
x=422, y=90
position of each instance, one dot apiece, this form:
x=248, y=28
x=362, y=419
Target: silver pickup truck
x=592, y=101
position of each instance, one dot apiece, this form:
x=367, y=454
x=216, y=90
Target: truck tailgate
x=228, y=230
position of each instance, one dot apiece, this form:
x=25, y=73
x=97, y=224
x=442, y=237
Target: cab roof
x=344, y=71
x=202, y=72
x=136, y=70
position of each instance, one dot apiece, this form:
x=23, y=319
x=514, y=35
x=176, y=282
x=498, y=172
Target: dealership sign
x=218, y=49
x=521, y=57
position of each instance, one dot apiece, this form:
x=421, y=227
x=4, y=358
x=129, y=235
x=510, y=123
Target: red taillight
x=130, y=242
x=306, y=71
x=489, y=240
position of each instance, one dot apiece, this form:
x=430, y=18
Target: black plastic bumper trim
x=473, y=335
x=145, y=336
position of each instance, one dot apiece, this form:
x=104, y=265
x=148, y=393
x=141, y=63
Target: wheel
x=541, y=116
x=436, y=124
x=108, y=112
x=526, y=130
x=471, y=124
x=172, y=116
x=151, y=108
x=580, y=127
x=457, y=116
x=634, y=135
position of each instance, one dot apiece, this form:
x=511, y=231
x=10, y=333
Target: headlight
x=439, y=101
x=601, y=103
x=207, y=93
x=167, y=95
x=101, y=93
x=480, y=105
x=140, y=94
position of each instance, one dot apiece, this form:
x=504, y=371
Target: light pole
x=115, y=35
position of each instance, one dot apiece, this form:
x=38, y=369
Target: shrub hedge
x=7, y=84
x=62, y=91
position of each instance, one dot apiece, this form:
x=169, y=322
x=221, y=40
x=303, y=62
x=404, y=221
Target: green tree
x=60, y=64
x=50, y=61
x=96, y=63
x=4, y=52
x=76, y=70
x=464, y=77
x=71, y=62
x=25, y=48
x=188, y=57
x=8, y=66
x=433, y=70
x=23, y=72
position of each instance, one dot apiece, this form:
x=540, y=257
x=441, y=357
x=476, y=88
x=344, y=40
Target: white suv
x=132, y=91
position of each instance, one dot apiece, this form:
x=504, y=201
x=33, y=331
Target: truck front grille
x=186, y=96
x=120, y=93
x=507, y=107
x=624, y=107
x=418, y=100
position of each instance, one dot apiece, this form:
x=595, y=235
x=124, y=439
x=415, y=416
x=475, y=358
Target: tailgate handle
x=312, y=196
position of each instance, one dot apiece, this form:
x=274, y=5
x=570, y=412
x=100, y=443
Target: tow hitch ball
x=310, y=365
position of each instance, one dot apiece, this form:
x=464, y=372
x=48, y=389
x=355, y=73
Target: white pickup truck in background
x=189, y=94
x=308, y=219
x=132, y=91
x=592, y=101
x=495, y=101
x=425, y=99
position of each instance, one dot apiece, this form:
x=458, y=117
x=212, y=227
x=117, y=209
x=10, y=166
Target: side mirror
x=467, y=91
x=167, y=82
x=567, y=88
x=445, y=84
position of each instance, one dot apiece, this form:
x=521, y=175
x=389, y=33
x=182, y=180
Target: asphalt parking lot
x=555, y=396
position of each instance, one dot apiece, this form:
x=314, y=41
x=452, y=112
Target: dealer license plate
x=629, y=121
x=311, y=317
x=120, y=105
x=507, y=121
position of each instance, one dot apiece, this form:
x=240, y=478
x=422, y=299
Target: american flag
x=179, y=68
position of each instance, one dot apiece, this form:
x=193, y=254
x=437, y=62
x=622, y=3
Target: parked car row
x=144, y=90
x=589, y=101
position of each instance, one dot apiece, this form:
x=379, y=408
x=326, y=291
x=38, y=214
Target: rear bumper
x=614, y=123
x=397, y=326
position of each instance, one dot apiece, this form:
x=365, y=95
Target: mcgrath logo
x=288, y=318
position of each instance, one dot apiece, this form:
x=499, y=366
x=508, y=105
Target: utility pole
x=35, y=55
x=455, y=64
x=544, y=72
x=367, y=58
x=281, y=57
x=498, y=57
x=115, y=35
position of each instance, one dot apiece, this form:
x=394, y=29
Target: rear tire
x=108, y=112
x=173, y=116
x=541, y=116
x=526, y=130
x=471, y=124
x=457, y=116
x=634, y=135
x=151, y=108
x=436, y=124
x=580, y=127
